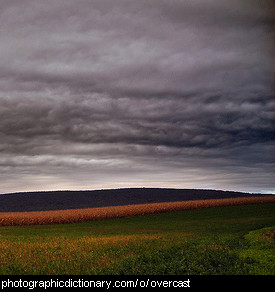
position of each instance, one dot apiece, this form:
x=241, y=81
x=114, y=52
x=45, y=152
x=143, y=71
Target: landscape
x=137, y=138
x=190, y=232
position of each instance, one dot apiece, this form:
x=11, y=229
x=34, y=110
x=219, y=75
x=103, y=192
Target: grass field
x=221, y=240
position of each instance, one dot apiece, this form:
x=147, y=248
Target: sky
x=98, y=94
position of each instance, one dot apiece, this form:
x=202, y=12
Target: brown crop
x=101, y=213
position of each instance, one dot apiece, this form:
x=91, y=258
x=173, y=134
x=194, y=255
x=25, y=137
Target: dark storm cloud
x=174, y=92
x=154, y=122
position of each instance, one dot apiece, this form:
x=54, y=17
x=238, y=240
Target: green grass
x=214, y=241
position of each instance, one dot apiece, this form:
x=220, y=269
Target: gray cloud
x=161, y=93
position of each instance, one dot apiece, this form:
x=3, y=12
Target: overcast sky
x=98, y=94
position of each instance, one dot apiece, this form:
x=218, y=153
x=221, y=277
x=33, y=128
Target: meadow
x=213, y=241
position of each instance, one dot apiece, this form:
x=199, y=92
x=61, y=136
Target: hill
x=61, y=200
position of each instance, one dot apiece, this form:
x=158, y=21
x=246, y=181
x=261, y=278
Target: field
x=222, y=240
x=91, y=214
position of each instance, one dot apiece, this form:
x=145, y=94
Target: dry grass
x=76, y=255
x=90, y=214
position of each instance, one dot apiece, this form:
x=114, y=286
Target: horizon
x=132, y=188
x=97, y=94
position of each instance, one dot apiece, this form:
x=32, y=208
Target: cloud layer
x=96, y=94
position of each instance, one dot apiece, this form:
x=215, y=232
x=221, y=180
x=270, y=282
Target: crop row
x=101, y=213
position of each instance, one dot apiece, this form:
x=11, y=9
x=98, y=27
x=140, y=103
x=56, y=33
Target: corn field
x=101, y=213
